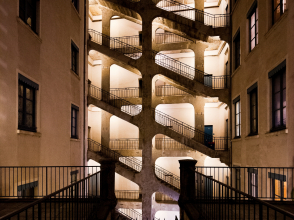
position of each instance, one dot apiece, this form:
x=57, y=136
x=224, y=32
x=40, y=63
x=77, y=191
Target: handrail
x=213, y=195
x=127, y=194
x=214, y=20
x=160, y=117
x=124, y=144
x=128, y=92
x=134, y=163
x=160, y=38
x=215, y=82
x=169, y=90
x=134, y=214
x=120, y=213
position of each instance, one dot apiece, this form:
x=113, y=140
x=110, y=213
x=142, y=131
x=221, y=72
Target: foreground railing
x=169, y=90
x=214, y=20
x=216, y=200
x=215, y=82
x=267, y=183
x=127, y=194
x=114, y=100
x=160, y=197
x=124, y=144
x=76, y=201
x=129, y=92
x=39, y=181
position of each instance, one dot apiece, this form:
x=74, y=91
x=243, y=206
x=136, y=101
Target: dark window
x=76, y=4
x=279, y=7
x=74, y=58
x=253, y=112
x=237, y=117
x=237, y=50
x=279, y=100
x=74, y=121
x=26, y=104
x=253, y=25
x=28, y=12
x=253, y=182
x=237, y=180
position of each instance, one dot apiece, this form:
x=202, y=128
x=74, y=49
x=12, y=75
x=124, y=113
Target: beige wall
x=122, y=78
x=122, y=129
x=123, y=27
x=171, y=163
x=94, y=121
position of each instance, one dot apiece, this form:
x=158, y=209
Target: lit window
x=74, y=58
x=253, y=182
x=237, y=50
x=28, y=12
x=237, y=117
x=26, y=104
x=279, y=7
x=253, y=25
x=74, y=121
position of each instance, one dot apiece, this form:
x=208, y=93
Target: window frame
x=253, y=174
x=74, y=118
x=237, y=103
x=281, y=6
x=253, y=11
x=237, y=52
x=26, y=84
x=74, y=58
x=253, y=107
x=23, y=13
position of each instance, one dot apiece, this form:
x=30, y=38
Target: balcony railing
x=129, y=92
x=127, y=194
x=266, y=183
x=216, y=200
x=124, y=144
x=169, y=38
x=169, y=90
x=79, y=200
x=169, y=144
x=215, y=82
x=160, y=197
x=214, y=20
x=39, y=181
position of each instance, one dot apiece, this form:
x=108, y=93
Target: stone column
x=106, y=16
x=105, y=128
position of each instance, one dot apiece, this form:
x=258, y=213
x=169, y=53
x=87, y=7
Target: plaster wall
x=124, y=27
x=122, y=78
x=94, y=121
x=95, y=25
x=122, y=129
x=170, y=163
x=122, y=183
x=94, y=73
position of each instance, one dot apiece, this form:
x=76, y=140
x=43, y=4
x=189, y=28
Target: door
x=208, y=136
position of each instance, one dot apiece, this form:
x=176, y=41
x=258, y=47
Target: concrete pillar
x=187, y=178
x=106, y=16
x=199, y=49
x=105, y=128
x=107, y=180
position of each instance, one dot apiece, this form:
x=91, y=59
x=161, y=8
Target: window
x=237, y=117
x=252, y=91
x=278, y=76
x=253, y=26
x=28, y=12
x=237, y=50
x=74, y=121
x=279, y=7
x=278, y=186
x=26, y=104
x=253, y=182
x=76, y=4
x=27, y=190
x=74, y=58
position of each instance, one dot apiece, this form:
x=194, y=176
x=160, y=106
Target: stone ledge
x=22, y=132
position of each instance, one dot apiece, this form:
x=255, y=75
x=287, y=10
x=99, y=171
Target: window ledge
x=22, y=132
x=236, y=139
x=255, y=136
x=28, y=27
x=75, y=10
x=75, y=139
x=251, y=52
x=275, y=25
x=236, y=70
x=276, y=133
x=75, y=74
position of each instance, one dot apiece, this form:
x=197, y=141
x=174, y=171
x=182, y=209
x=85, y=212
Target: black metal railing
x=169, y=144
x=127, y=194
x=76, y=201
x=39, y=181
x=266, y=183
x=160, y=197
x=114, y=100
x=167, y=176
x=216, y=200
x=129, y=92
x=169, y=38
x=214, y=20
x=130, y=40
x=133, y=214
x=131, y=162
x=169, y=90
x=215, y=82
x=124, y=144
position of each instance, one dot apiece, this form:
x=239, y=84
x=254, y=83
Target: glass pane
x=284, y=116
x=73, y=132
x=29, y=107
x=237, y=131
x=284, y=97
x=237, y=119
x=29, y=94
x=277, y=103
x=277, y=118
x=256, y=38
x=20, y=90
x=254, y=125
x=29, y=121
x=256, y=13
x=252, y=33
x=276, y=86
x=20, y=120
x=252, y=20
x=284, y=80
x=20, y=104
x=252, y=44
x=73, y=122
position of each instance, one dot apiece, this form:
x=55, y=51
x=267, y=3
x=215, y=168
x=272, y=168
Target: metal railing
x=133, y=214
x=169, y=144
x=169, y=38
x=133, y=40
x=127, y=194
x=39, y=181
x=76, y=201
x=131, y=162
x=169, y=90
x=215, y=82
x=129, y=92
x=124, y=144
x=266, y=183
x=216, y=200
x=167, y=176
x=214, y=20
x=160, y=197
x=114, y=100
